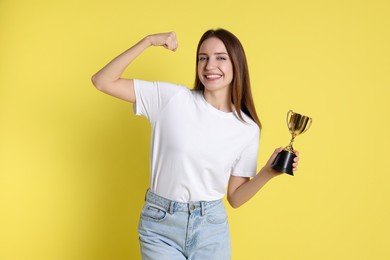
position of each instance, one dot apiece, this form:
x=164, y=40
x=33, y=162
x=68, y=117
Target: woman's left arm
x=241, y=189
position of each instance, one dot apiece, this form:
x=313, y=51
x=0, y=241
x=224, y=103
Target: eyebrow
x=215, y=53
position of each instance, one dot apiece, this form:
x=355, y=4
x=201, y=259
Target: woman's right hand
x=167, y=40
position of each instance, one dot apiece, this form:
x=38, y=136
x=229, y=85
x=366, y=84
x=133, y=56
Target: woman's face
x=215, y=69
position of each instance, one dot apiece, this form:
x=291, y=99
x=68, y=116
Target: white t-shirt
x=195, y=147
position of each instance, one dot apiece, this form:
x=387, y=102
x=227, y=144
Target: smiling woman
x=204, y=141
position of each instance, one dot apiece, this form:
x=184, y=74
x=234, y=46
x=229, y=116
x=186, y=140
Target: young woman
x=204, y=141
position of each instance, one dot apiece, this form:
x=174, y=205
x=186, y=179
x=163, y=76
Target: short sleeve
x=152, y=97
x=246, y=165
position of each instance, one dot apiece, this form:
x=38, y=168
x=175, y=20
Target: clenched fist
x=167, y=40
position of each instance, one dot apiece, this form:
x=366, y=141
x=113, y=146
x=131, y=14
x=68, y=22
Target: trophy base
x=283, y=162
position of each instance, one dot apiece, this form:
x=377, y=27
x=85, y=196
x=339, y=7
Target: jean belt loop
x=170, y=210
x=202, y=206
x=146, y=194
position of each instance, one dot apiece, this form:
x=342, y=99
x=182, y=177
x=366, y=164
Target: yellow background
x=74, y=162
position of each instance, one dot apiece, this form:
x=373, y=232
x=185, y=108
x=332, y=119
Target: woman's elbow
x=233, y=203
x=94, y=81
x=97, y=83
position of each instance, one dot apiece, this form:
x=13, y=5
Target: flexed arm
x=108, y=79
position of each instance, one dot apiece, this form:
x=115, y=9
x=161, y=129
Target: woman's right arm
x=108, y=79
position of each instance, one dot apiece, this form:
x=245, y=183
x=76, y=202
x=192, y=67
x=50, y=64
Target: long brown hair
x=241, y=93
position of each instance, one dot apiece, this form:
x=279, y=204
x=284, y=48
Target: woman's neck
x=219, y=99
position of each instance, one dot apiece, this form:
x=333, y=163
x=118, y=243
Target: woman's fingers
x=167, y=40
x=296, y=159
x=171, y=42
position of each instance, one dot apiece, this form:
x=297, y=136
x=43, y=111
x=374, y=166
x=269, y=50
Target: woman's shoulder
x=162, y=86
x=159, y=83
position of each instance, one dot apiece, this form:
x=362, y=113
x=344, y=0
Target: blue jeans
x=170, y=230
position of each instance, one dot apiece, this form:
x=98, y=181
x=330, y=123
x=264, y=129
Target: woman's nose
x=210, y=64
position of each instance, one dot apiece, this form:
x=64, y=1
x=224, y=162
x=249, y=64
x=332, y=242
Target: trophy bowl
x=297, y=124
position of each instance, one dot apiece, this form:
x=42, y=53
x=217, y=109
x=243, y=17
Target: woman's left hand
x=296, y=159
x=273, y=173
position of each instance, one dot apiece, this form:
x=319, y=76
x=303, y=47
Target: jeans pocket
x=153, y=213
x=216, y=218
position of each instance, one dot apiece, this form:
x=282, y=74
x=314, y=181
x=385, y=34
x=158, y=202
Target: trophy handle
x=289, y=114
x=308, y=126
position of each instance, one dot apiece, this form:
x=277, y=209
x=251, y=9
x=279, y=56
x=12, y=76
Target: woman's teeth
x=213, y=76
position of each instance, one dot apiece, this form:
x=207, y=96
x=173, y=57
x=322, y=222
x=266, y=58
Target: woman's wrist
x=268, y=172
x=147, y=41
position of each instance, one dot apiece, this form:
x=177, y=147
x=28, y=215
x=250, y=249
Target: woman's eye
x=221, y=58
x=202, y=58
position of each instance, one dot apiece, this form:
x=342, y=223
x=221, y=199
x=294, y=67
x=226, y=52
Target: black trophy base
x=283, y=162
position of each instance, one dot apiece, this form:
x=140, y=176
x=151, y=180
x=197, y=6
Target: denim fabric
x=170, y=230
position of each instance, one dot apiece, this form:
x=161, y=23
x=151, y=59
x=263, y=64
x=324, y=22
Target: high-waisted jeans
x=170, y=230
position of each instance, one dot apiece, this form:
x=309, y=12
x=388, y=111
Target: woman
x=203, y=140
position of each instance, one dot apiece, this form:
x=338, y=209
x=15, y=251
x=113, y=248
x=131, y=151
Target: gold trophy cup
x=297, y=124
